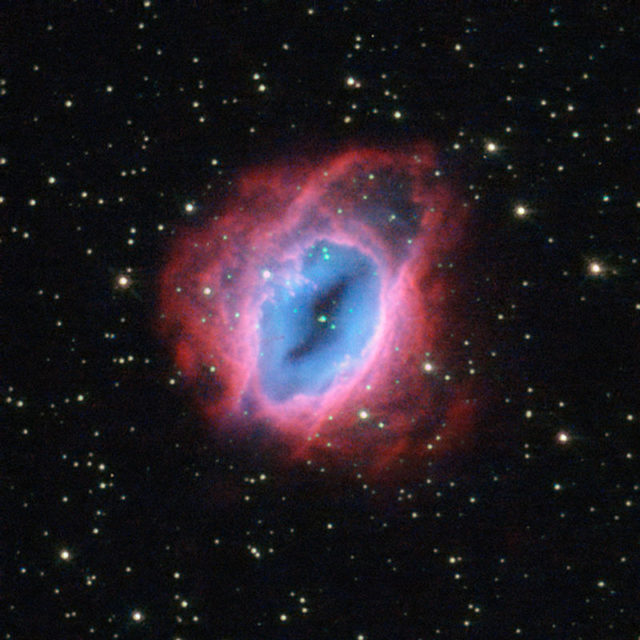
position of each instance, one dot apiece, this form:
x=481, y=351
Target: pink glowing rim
x=401, y=402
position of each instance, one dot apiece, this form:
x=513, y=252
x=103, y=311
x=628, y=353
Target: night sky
x=131, y=508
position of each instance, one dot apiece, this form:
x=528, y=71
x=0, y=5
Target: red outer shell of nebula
x=406, y=399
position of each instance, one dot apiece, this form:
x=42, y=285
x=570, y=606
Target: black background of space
x=121, y=518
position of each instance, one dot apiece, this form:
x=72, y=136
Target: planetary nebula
x=315, y=304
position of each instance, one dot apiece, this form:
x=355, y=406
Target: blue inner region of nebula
x=316, y=325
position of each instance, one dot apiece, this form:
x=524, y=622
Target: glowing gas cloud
x=316, y=305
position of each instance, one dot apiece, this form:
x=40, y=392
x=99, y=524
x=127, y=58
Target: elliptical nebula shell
x=317, y=304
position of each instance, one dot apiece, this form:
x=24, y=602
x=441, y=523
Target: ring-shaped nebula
x=317, y=304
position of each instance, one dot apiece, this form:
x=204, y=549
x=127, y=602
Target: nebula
x=316, y=322
x=316, y=304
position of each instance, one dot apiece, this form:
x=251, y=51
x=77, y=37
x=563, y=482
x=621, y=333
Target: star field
x=128, y=512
